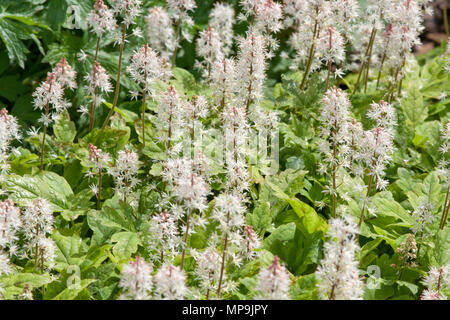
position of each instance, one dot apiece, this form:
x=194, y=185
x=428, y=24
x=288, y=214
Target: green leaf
x=304, y=288
x=47, y=185
x=283, y=233
x=64, y=129
x=260, y=218
x=127, y=244
x=74, y=290
x=412, y=287
x=391, y=208
x=109, y=140
x=13, y=284
x=311, y=221
x=69, y=251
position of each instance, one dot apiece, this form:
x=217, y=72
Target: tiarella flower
x=209, y=48
x=334, y=117
x=250, y=242
x=136, y=280
x=98, y=83
x=356, y=132
x=99, y=159
x=407, y=251
x=128, y=9
x=292, y=10
x=194, y=111
x=5, y=266
x=101, y=19
x=330, y=47
x=235, y=128
x=180, y=8
x=314, y=16
x=160, y=34
x=170, y=124
x=437, y=281
x=37, y=222
x=229, y=213
x=383, y=114
x=273, y=282
x=146, y=67
x=170, y=283
x=26, y=294
x=48, y=97
x=444, y=162
x=9, y=131
x=251, y=67
x=10, y=224
x=224, y=82
x=338, y=273
x=268, y=16
x=347, y=14
x=46, y=252
x=221, y=18
x=164, y=239
x=376, y=151
x=191, y=189
x=207, y=269
x=65, y=75
x=124, y=172
x=423, y=217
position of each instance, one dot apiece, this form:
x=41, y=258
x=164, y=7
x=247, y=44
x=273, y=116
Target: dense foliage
x=245, y=149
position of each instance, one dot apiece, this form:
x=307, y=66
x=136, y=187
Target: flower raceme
x=273, y=282
x=101, y=19
x=338, y=274
x=136, y=280
x=221, y=18
x=160, y=33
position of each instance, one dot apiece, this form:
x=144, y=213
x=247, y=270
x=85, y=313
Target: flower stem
x=365, y=200
x=445, y=211
x=224, y=256
x=363, y=63
x=185, y=240
x=116, y=92
x=47, y=109
x=177, y=38
x=99, y=195
x=311, y=55
x=368, y=61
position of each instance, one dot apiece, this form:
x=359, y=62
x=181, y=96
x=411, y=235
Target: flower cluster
x=49, y=96
x=9, y=131
x=146, y=67
x=209, y=47
x=164, y=239
x=37, y=222
x=136, y=280
x=101, y=19
x=160, y=33
x=407, y=251
x=128, y=9
x=273, y=282
x=10, y=225
x=125, y=172
x=338, y=273
x=221, y=18
x=436, y=281
x=98, y=84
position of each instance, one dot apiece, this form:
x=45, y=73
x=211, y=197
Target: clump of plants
x=251, y=149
